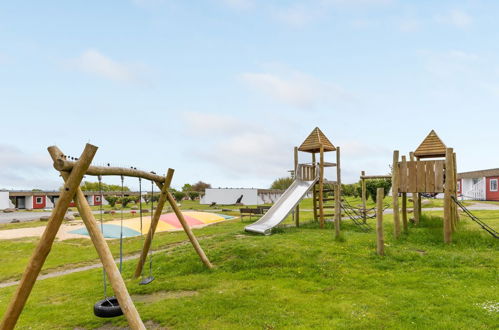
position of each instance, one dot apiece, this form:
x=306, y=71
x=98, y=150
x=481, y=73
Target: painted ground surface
x=131, y=227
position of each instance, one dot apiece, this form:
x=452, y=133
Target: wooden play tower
x=318, y=143
x=430, y=169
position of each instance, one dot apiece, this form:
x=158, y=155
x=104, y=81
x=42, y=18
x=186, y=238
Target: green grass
x=297, y=278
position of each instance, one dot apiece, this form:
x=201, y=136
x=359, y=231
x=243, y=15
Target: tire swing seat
x=108, y=307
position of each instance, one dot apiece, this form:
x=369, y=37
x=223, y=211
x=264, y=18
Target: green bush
x=193, y=195
x=179, y=195
x=373, y=185
x=111, y=200
x=281, y=183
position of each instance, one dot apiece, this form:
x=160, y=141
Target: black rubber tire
x=107, y=308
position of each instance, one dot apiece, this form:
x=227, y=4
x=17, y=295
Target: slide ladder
x=482, y=224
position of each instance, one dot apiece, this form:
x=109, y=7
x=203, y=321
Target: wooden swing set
x=72, y=173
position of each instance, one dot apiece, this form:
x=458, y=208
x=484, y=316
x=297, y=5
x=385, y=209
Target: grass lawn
x=297, y=278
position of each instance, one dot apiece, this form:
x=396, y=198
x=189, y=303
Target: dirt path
x=99, y=265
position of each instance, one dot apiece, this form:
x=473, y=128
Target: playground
x=329, y=261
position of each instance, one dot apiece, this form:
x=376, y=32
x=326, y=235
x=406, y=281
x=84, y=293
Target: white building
x=247, y=196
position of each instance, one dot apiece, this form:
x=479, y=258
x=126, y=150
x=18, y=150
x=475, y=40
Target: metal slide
x=283, y=207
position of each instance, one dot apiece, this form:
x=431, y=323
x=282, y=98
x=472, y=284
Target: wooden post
x=297, y=209
x=395, y=194
x=415, y=196
x=321, y=187
x=363, y=194
x=42, y=250
x=188, y=230
x=454, y=163
x=314, y=191
x=380, y=242
x=337, y=195
x=447, y=196
x=337, y=211
x=404, y=203
x=154, y=223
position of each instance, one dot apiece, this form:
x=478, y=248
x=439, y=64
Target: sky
x=222, y=90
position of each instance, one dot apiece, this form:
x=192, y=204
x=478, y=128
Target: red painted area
x=460, y=186
x=172, y=219
x=97, y=200
x=492, y=195
x=72, y=204
x=42, y=202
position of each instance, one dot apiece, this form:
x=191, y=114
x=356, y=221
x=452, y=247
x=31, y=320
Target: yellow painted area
x=146, y=223
x=204, y=217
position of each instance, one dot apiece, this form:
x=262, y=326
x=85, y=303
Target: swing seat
x=147, y=280
x=108, y=307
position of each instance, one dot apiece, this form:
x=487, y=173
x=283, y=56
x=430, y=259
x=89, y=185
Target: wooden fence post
x=415, y=198
x=447, y=196
x=337, y=211
x=321, y=187
x=297, y=210
x=380, y=242
x=395, y=194
x=363, y=195
x=404, y=197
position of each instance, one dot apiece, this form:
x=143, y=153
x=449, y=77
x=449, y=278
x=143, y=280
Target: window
x=39, y=200
x=475, y=180
x=493, y=184
x=458, y=185
x=97, y=198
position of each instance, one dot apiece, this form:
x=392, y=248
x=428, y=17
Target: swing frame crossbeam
x=72, y=173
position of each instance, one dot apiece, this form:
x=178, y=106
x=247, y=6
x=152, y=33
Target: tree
x=125, y=200
x=187, y=187
x=94, y=186
x=111, y=200
x=282, y=183
x=200, y=186
x=351, y=189
x=373, y=185
x=193, y=195
x=179, y=195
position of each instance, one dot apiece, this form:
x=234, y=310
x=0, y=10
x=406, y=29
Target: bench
x=245, y=212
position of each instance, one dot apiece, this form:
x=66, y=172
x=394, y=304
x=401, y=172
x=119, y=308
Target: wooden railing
x=306, y=172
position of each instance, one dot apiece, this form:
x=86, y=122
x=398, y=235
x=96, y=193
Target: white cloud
x=238, y=148
x=456, y=17
x=25, y=171
x=239, y=4
x=200, y=123
x=450, y=62
x=298, y=14
x=295, y=88
x=95, y=63
x=410, y=25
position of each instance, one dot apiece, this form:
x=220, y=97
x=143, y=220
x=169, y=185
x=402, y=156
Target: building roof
x=315, y=140
x=431, y=147
x=478, y=174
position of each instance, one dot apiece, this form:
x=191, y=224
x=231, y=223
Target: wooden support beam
x=314, y=192
x=447, y=197
x=363, y=196
x=455, y=187
x=61, y=164
x=105, y=255
x=337, y=211
x=188, y=231
x=297, y=209
x=380, y=241
x=154, y=222
x=415, y=195
x=321, y=186
x=370, y=177
x=395, y=194
x=403, y=169
x=42, y=250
